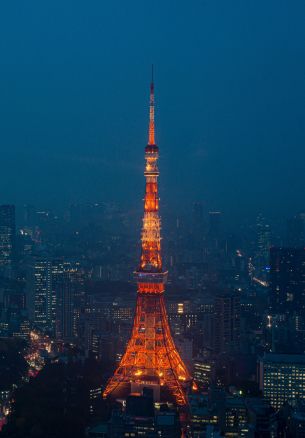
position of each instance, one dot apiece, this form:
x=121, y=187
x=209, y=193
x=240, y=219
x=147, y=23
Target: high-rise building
x=64, y=307
x=56, y=296
x=287, y=283
x=282, y=378
x=263, y=247
x=226, y=322
x=7, y=239
x=214, y=229
x=214, y=223
x=68, y=286
x=197, y=220
x=296, y=231
x=42, y=299
x=151, y=358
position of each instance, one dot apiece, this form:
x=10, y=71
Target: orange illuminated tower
x=151, y=356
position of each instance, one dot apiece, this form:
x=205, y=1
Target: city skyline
x=173, y=311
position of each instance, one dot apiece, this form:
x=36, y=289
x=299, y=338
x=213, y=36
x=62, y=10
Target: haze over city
x=230, y=97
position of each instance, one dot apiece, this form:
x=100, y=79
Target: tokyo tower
x=151, y=357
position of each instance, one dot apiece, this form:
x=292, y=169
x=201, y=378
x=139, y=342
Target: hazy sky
x=230, y=96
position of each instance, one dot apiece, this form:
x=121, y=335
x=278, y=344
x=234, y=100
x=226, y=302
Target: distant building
x=55, y=294
x=203, y=372
x=263, y=247
x=43, y=297
x=7, y=239
x=13, y=314
x=282, y=378
x=182, y=316
x=64, y=306
x=68, y=287
x=296, y=231
x=214, y=230
x=226, y=327
x=197, y=222
x=287, y=283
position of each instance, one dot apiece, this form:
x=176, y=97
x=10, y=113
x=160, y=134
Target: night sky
x=230, y=97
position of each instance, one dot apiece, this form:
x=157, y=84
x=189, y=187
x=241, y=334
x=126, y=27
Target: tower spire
x=151, y=130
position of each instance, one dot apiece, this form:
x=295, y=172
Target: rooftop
x=283, y=358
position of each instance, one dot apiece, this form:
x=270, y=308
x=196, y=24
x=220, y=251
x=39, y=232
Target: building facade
x=7, y=239
x=282, y=378
x=287, y=284
x=226, y=336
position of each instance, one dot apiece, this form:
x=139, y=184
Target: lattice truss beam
x=151, y=242
x=151, y=350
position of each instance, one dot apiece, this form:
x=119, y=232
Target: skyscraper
x=68, y=289
x=42, y=294
x=296, y=231
x=263, y=244
x=7, y=239
x=226, y=322
x=287, y=283
x=56, y=295
x=151, y=358
x=214, y=223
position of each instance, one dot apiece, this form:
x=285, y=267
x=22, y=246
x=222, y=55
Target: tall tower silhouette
x=151, y=356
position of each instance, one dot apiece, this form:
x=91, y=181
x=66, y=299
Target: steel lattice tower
x=151, y=354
